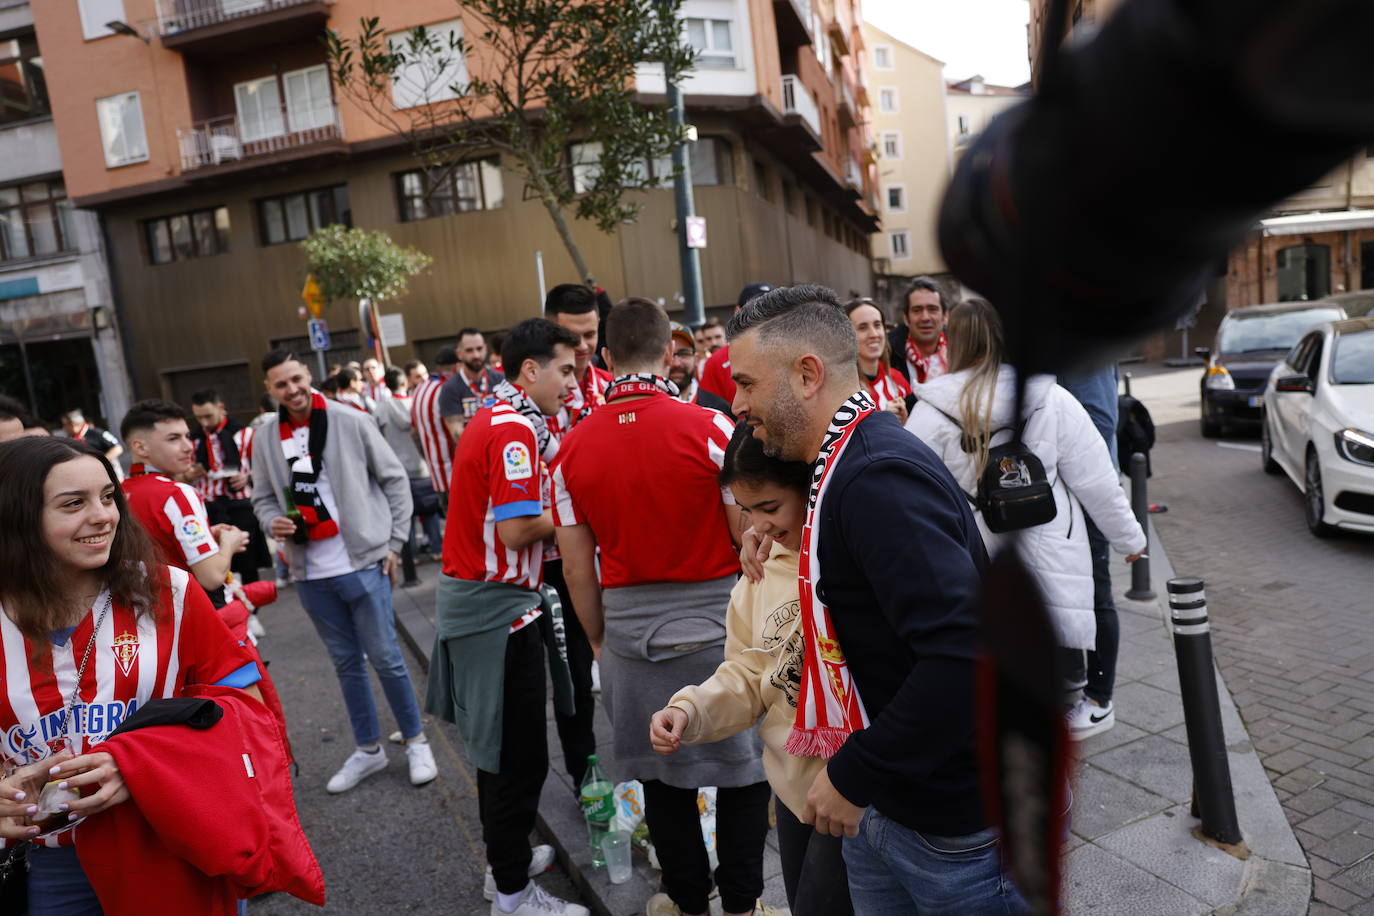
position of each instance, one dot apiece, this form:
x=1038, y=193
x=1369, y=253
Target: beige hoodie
x=760, y=676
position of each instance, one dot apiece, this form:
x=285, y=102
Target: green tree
x=357, y=264
x=549, y=73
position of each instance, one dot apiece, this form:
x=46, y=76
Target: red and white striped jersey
x=643, y=475
x=590, y=391
x=134, y=659
x=172, y=513
x=211, y=488
x=889, y=386
x=435, y=441
x=501, y=477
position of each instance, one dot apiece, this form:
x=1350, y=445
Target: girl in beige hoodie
x=761, y=674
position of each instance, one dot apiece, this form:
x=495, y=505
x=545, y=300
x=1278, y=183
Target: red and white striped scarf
x=887, y=387
x=922, y=364
x=828, y=706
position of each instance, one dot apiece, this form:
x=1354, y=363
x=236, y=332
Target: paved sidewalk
x=1131, y=850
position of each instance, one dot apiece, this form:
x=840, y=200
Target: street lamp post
x=694, y=312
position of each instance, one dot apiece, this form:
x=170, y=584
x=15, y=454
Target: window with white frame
x=896, y=198
x=900, y=242
x=121, y=129
x=713, y=42
x=882, y=57
x=887, y=99
x=260, y=114
x=892, y=144
x=95, y=13
x=585, y=159
x=308, y=103
x=433, y=70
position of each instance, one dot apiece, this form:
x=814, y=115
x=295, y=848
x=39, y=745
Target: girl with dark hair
x=91, y=628
x=761, y=673
x=887, y=386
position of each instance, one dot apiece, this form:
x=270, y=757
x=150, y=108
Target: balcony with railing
x=845, y=107
x=221, y=27
x=842, y=27
x=793, y=18
x=852, y=175
x=268, y=135
x=800, y=112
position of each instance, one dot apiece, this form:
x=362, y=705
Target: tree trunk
x=561, y=224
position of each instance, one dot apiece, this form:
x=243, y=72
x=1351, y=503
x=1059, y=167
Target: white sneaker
x=255, y=627
x=661, y=904
x=1086, y=719
x=359, y=765
x=539, y=902
x=421, y=759
x=541, y=860
x=596, y=676
x=282, y=582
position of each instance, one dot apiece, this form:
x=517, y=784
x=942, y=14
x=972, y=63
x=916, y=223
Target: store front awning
x=1309, y=223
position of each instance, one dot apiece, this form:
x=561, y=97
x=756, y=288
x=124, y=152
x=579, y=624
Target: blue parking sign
x=319, y=334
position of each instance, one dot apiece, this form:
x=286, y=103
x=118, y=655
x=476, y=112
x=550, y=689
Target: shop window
x=1304, y=272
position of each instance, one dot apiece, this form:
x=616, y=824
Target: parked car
x=1359, y=304
x=1318, y=424
x=1250, y=341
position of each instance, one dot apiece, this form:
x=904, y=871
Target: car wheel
x=1267, y=447
x=1209, y=428
x=1315, y=498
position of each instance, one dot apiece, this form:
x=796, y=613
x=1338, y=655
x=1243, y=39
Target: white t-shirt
x=328, y=557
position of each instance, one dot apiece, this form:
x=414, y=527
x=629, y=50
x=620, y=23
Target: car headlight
x=1219, y=378
x=1355, y=445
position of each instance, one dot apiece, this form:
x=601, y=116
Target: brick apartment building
x=208, y=138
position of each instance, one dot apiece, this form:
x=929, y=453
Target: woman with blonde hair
x=963, y=414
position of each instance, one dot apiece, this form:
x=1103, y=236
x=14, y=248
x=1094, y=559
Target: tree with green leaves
x=357, y=264
x=546, y=74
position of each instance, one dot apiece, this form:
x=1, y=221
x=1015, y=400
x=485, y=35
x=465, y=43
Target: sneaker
x=596, y=676
x=255, y=627
x=1087, y=719
x=282, y=582
x=359, y=765
x=421, y=760
x=541, y=860
x=661, y=904
x=539, y=902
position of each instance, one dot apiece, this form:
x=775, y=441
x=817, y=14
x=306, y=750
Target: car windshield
x=1270, y=330
x=1352, y=361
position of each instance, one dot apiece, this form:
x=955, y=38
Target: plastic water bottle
x=598, y=806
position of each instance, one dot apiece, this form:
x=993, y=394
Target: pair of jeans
x=508, y=801
x=897, y=871
x=813, y=869
x=353, y=615
x=576, y=732
x=741, y=828
x=57, y=884
x=1100, y=670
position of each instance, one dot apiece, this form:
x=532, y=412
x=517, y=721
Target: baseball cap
x=752, y=291
x=447, y=356
x=681, y=330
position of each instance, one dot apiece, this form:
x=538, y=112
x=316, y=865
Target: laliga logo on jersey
x=191, y=527
x=125, y=650
x=517, y=461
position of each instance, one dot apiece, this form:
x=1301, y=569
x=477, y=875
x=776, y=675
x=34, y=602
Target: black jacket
x=714, y=401
x=896, y=339
x=901, y=562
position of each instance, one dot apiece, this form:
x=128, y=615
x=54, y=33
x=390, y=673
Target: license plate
x=1256, y=400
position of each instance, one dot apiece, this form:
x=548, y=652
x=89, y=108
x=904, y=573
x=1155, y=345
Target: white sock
x=418, y=739
x=507, y=903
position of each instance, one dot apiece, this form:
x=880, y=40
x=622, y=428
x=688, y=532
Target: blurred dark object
x=1094, y=212
x=1135, y=429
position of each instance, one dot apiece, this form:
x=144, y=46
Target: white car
x=1318, y=424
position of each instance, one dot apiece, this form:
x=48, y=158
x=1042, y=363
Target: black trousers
x=508, y=801
x=575, y=732
x=741, y=828
x=813, y=869
x=239, y=513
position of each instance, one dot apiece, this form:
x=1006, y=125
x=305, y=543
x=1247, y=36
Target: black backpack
x=1013, y=491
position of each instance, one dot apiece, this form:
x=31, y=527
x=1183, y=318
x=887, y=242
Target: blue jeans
x=352, y=613
x=57, y=885
x=429, y=513
x=897, y=871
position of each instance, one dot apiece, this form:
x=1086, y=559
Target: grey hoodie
x=371, y=489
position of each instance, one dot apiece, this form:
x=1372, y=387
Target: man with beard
x=682, y=373
x=890, y=641
x=919, y=350
x=470, y=388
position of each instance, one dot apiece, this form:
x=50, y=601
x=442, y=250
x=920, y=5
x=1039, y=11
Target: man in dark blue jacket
x=900, y=560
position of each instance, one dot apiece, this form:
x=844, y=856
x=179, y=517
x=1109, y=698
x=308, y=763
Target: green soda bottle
x=598, y=806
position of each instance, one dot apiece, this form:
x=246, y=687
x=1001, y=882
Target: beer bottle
x=302, y=534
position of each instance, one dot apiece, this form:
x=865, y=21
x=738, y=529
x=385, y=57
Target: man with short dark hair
x=715, y=372
x=682, y=373
x=573, y=306
x=326, y=484
x=221, y=474
x=436, y=443
x=712, y=335
x=636, y=484
x=468, y=389
x=919, y=349
x=374, y=380
x=415, y=373
x=352, y=391
x=75, y=425
x=889, y=642
x=493, y=617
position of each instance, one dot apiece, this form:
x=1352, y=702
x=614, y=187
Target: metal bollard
x=1213, y=800
x=1140, y=590
x=409, y=578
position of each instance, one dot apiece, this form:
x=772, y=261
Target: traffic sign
x=314, y=299
x=319, y=334
x=696, y=232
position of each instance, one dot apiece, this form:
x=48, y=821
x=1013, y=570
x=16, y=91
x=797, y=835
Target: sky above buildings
x=970, y=36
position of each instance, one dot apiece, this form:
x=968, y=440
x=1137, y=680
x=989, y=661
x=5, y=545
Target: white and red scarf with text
x=828, y=707
x=924, y=366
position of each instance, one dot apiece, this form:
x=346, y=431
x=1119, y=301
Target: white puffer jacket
x=1078, y=467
